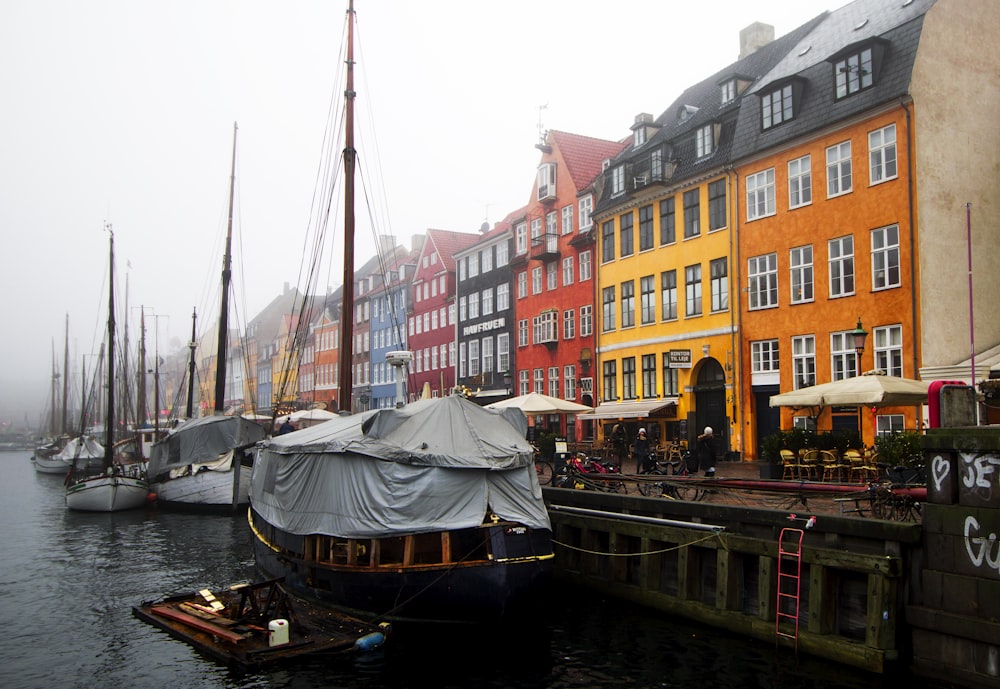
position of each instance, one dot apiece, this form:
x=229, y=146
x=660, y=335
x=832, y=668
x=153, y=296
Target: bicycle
x=544, y=471
x=673, y=490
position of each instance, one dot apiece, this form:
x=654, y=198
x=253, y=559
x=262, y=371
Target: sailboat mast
x=193, y=345
x=141, y=380
x=109, y=422
x=55, y=386
x=65, y=400
x=220, y=375
x=350, y=158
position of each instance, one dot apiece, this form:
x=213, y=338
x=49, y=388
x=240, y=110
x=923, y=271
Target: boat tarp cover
x=432, y=465
x=202, y=441
x=89, y=449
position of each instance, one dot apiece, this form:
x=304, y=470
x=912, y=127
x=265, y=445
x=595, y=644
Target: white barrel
x=277, y=632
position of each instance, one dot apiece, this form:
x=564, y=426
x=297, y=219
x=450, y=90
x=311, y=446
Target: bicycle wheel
x=648, y=488
x=689, y=493
x=544, y=471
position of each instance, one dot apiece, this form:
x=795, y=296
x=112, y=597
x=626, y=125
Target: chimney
x=755, y=37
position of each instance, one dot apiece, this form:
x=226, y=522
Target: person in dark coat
x=641, y=453
x=619, y=443
x=286, y=427
x=706, y=452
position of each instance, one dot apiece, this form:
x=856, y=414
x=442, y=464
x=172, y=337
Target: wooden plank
x=196, y=623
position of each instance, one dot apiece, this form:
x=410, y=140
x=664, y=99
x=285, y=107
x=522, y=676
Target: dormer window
x=728, y=91
x=777, y=106
x=618, y=181
x=853, y=73
x=546, y=181
x=639, y=136
x=685, y=113
x=705, y=141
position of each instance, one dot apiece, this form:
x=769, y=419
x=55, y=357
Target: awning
x=632, y=410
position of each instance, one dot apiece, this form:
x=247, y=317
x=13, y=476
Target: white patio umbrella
x=873, y=389
x=537, y=403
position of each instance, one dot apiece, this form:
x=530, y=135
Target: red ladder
x=789, y=584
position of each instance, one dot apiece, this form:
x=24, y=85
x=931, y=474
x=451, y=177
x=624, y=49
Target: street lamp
x=860, y=335
x=506, y=380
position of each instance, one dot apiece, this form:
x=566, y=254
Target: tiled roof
x=584, y=155
x=447, y=243
x=499, y=229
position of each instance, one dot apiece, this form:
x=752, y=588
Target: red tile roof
x=584, y=155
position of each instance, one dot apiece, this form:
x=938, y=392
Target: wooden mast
x=65, y=394
x=109, y=421
x=220, y=368
x=345, y=392
x=193, y=345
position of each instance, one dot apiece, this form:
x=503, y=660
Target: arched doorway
x=710, y=406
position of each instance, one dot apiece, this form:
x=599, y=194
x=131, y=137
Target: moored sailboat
x=200, y=464
x=431, y=512
x=117, y=486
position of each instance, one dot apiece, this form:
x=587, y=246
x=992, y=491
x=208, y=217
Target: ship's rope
x=722, y=543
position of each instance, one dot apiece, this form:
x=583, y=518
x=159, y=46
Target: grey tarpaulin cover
x=201, y=441
x=432, y=465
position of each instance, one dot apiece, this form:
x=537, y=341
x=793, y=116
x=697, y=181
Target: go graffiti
x=981, y=549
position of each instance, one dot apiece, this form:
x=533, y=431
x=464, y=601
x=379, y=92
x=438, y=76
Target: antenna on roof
x=541, y=128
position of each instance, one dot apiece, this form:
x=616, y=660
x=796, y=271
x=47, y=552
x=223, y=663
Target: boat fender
x=277, y=632
x=370, y=642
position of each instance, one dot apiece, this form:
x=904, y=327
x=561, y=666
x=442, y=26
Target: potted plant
x=903, y=456
x=770, y=455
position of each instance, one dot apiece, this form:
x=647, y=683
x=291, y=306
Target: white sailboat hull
x=212, y=489
x=107, y=494
x=50, y=465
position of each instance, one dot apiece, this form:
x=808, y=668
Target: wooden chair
x=860, y=471
x=809, y=465
x=833, y=470
x=790, y=465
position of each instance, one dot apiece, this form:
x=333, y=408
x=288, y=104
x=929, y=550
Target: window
x=804, y=361
x=649, y=376
x=546, y=327
x=474, y=264
x=567, y=220
x=607, y=241
x=841, y=266
x=502, y=258
x=692, y=213
x=567, y=271
x=801, y=260
x=521, y=238
x=608, y=309
x=776, y=107
x=717, y=205
x=885, y=257
x=843, y=358
x=692, y=290
x=463, y=312
x=760, y=194
x=586, y=320
x=668, y=232
x=586, y=206
x=887, y=424
x=638, y=136
x=800, y=182
x=487, y=347
x=764, y=356
x=546, y=181
x=569, y=383
x=889, y=349
x=551, y=231
x=503, y=352
x=522, y=333
x=536, y=231
x=536, y=280
x=610, y=380
x=462, y=361
x=551, y=275
x=647, y=290
x=668, y=295
x=838, y=169
x=728, y=91
x=503, y=296
x=522, y=285
x=522, y=382
x=487, y=301
x=853, y=73
x=628, y=378
x=719, y=275
x=585, y=266
x=473, y=357
x=618, y=181
x=656, y=165
x=569, y=324
x=882, y=154
x=628, y=304
x=474, y=305
x=670, y=384
x=461, y=269
x=539, y=381
x=762, y=273
x=704, y=141
x=625, y=235
x=645, y=228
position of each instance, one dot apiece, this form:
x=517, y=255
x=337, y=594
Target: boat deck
x=236, y=626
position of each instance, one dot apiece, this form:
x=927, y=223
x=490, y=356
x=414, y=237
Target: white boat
x=116, y=487
x=84, y=450
x=203, y=464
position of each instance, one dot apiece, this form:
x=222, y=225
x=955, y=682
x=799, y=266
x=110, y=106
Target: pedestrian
x=286, y=426
x=641, y=453
x=706, y=452
x=619, y=443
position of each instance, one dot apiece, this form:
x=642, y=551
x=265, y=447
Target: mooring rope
x=718, y=535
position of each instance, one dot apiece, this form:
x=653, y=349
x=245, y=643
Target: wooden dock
x=249, y=626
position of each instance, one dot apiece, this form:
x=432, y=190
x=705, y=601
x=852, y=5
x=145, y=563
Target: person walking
x=641, y=453
x=706, y=452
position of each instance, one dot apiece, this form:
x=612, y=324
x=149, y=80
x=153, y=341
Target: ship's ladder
x=786, y=618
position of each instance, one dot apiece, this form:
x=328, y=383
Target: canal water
x=68, y=581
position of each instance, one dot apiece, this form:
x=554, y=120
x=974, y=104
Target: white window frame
x=841, y=266
x=568, y=271
x=586, y=206
x=586, y=266
x=882, y=163
x=803, y=361
x=586, y=320
x=885, y=258
x=800, y=261
x=762, y=281
x=839, y=172
x=800, y=182
x=567, y=220
x=888, y=347
x=760, y=194
x=618, y=180
x=765, y=356
x=569, y=324
x=705, y=141
x=843, y=356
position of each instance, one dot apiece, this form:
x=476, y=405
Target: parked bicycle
x=590, y=473
x=683, y=469
x=544, y=471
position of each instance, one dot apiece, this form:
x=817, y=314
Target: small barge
x=249, y=626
